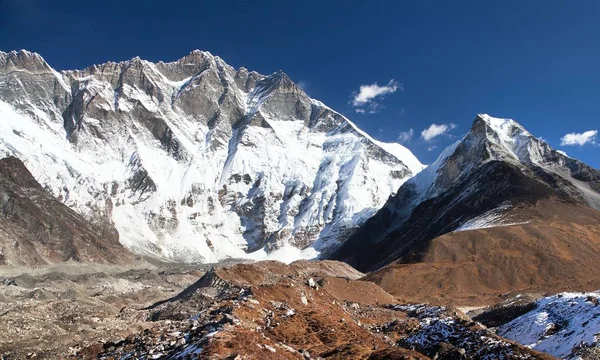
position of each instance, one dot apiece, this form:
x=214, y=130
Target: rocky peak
x=506, y=127
x=495, y=140
x=23, y=60
x=500, y=139
x=280, y=82
x=190, y=65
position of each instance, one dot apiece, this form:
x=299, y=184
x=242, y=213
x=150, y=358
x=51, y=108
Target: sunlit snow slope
x=194, y=160
x=559, y=325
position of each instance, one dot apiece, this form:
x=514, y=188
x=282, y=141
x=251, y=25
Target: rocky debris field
x=54, y=311
x=306, y=310
x=269, y=310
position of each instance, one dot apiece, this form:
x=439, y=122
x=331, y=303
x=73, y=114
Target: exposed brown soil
x=554, y=252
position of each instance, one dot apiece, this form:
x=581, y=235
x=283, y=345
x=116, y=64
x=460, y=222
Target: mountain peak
x=282, y=78
x=23, y=59
x=501, y=126
x=271, y=178
x=278, y=81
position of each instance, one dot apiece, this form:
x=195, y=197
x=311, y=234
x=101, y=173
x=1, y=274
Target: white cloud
x=366, y=96
x=431, y=148
x=406, y=136
x=435, y=130
x=370, y=92
x=579, y=138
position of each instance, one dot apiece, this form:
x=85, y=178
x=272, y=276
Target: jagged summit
x=22, y=59
x=194, y=160
x=499, y=125
x=279, y=79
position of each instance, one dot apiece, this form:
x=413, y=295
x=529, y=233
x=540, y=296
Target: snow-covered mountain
x=477, y=182
x=194, y=160
x=494, y=139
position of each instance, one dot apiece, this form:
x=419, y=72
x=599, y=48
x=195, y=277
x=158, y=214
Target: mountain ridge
x=219, y=162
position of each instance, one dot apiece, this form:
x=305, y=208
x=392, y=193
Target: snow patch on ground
x=492, y=218
x=558, y=324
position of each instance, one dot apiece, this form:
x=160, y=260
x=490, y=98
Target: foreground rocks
x=55, y=311
x=267, y=310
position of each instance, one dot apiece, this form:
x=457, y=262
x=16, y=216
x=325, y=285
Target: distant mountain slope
x=36, y=228
x=553, y=251
x=194, y=160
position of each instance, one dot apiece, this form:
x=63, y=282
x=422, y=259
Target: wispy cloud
x=303, y=84
x=435, y=130
x=405, y=136
x=431, y=148
x=367, y=97
x=579, y=139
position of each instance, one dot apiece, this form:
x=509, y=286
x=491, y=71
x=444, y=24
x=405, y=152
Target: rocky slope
x=551, y=253
x=307, y=310
x=194, y=160
x=36, y=228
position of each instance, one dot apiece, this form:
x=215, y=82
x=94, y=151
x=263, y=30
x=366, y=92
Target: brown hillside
x=36, y=228
x=557, y=250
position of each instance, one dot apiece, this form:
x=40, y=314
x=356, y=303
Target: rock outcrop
x=36, y=228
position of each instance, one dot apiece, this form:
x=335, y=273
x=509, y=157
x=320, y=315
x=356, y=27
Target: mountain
x=498, y=210
x=36, y=228
x=193, y=160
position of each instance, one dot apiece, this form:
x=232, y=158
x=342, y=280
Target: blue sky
x=434, y=62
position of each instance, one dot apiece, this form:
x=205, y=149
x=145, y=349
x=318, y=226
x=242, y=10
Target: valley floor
x=264, y=310
x=56, y=310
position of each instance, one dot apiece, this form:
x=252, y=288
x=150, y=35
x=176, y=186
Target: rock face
x=194, y=160
x=36, y=228
x=485, y=180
